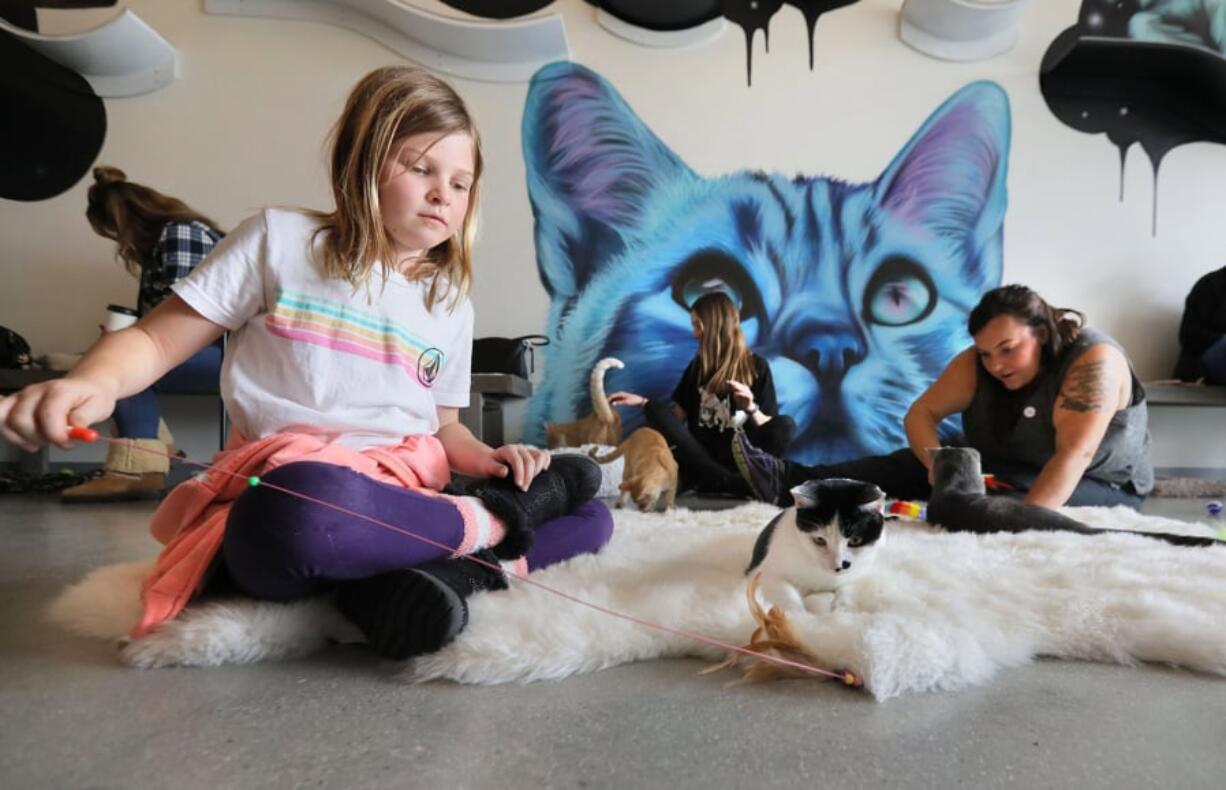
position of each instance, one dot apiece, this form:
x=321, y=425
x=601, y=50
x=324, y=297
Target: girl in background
x=160, y=241
x=699, y=419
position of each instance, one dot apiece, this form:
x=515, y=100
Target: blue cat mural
x=857, y=294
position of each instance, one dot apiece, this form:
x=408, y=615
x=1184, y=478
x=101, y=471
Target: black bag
x=514, y=355
x=14, y=350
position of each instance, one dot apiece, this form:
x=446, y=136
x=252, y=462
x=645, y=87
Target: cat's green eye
x=900, y=293
x=853, y=542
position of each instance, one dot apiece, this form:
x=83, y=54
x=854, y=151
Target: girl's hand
x=741, y=394
x=41, y=413
x=626, y=399
x=520, y=461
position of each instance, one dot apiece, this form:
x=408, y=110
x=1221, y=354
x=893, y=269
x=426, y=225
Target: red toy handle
x=991, y=483
x=82, y=434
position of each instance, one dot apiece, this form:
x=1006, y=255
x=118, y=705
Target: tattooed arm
x=1095, y=387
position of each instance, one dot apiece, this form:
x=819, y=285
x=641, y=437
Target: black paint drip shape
x=1159, y=93
x=813, y=9
x=752, y=16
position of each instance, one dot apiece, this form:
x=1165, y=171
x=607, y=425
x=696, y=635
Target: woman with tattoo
x=1053, y=406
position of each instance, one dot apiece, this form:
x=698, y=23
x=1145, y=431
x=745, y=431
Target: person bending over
x=160, y=240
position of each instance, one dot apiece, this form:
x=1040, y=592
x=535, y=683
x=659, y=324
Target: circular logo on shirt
x=429, y=365
x=1029, y=412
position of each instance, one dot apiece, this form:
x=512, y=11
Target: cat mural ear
x=805, y=494
x=591, y=165
x=950, y=176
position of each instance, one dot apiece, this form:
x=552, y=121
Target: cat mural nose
x=846, y=564
x=827, y=350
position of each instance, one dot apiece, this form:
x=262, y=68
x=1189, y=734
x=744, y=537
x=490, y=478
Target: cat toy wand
x=848, y=677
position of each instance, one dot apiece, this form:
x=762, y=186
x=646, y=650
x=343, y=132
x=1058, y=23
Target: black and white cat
x=959, y=504
x=828, y=538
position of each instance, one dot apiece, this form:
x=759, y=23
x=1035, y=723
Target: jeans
x=136, y=417
x=1214, y=362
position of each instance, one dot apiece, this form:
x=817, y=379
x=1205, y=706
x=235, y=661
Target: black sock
x=414, y=611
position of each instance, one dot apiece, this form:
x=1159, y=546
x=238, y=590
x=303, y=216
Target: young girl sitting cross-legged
x=346, y=366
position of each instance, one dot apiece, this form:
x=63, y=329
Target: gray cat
x=959, y=504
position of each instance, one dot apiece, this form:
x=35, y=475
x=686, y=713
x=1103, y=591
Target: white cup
x=118, y=317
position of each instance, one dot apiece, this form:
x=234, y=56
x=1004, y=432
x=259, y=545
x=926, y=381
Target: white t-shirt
x=309, y=354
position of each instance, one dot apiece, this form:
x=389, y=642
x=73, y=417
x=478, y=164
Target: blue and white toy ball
x=1214, y=507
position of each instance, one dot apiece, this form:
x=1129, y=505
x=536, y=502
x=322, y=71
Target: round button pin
x=1028, y=412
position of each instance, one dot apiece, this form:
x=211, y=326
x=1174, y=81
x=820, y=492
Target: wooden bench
x=1167, y=393
x=1188, y=425
x=489, y=392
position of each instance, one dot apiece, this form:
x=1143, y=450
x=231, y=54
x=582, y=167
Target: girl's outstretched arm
x=120, y=364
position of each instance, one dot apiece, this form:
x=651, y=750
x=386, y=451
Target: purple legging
x=281, y=548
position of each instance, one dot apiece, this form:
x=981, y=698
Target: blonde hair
x=722, y=352
x=133, y=215
x=386, y=106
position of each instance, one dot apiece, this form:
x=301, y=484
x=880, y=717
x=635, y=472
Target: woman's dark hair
x=1062, y=324
x=133, y=215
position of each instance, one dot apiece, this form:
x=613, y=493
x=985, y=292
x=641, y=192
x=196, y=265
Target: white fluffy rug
x=939, y=611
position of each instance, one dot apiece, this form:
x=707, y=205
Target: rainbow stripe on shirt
x=343, y=328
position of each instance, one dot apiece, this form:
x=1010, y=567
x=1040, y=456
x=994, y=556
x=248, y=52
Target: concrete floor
x=74, y=717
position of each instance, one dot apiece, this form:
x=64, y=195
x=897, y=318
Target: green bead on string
x=253, y=481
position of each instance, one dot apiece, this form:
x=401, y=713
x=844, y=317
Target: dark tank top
x=1010, y=427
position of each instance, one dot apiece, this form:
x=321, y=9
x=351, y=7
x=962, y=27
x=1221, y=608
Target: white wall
x=244, y=127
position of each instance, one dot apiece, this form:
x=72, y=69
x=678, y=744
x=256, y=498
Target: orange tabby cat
x=602, y=426
x=650, y=475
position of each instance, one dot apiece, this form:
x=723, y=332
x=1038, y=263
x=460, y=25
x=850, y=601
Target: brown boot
x=135, y=469
x=168, y=438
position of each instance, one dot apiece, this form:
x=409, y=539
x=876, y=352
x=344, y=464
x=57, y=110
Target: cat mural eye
x=713, y=270
x=854, y=542
x=819, y=542
x=900, y=293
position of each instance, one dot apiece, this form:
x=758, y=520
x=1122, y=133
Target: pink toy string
x=848, y=677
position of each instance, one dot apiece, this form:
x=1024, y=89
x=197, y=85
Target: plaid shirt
x=180, y=248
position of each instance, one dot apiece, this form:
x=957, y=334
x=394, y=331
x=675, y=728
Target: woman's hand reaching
x=622, y=398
